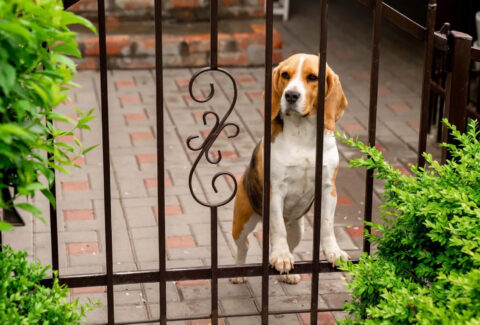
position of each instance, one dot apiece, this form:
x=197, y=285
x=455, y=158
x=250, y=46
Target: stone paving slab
x=134, y=179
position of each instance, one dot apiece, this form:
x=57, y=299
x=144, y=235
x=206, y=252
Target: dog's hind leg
x=244, y=222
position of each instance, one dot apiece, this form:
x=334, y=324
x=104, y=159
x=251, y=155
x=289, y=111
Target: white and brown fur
x=292, y=175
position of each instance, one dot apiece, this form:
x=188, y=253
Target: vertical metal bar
x=213, y=34
x=102, y=38
x=266, y=156
x=457, y=82
x=214, y=262
x=53, y=223
x=372, y=113
x=317, y=213
x=427, y=74
x=160, y=162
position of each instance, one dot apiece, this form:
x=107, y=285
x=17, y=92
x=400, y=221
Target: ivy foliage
x=23, y=300
x=427, y=267
x=35, y=72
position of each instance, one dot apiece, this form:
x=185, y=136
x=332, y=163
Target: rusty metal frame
x=109, y=279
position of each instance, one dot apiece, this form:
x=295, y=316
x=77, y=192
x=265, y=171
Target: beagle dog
x=293, y=143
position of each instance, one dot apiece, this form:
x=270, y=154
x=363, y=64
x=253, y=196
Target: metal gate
x=380, y=11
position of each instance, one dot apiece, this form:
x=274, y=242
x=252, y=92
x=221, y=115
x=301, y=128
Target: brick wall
x=182, y=10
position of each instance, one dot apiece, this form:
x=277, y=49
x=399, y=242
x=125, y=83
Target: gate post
x=457, y=84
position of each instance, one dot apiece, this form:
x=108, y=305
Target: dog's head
x=295, y=90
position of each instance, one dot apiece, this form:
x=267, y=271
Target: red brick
x=87, y=290
x=89, y=63
x=70, y=101
x=414, y=125
x=185, y=3
x=354, y=232
x=84, y=5
x=226, y=154
x=384, y=90
x=262, y=111
x=135, y=117
x=402, y=170
x=129, y=99
x=125, y=83
x=233, y=58
x=79, y=161
x=147, y=158
x=205, y=133
x=74, y=215
x=399, y=106
x=82, y=248
x=255, y=94
x=351, y=127
x=141, y=136
x=75, y=186
x=170, y=210
x=205, y=321
x=344, y=200
x=115, y=44
x=179, y=241
x=152, y=182
x=227, y=2
x=198, y=114
x=193, y=283
x=69, y=138
x=277, y=37
x=182, y=82
x=323, y=318
x=277, y=56
x=361, y=75
x=73, y=117
x=188, y=98
x=380, y=147
x=237, y=178
x=245, y=79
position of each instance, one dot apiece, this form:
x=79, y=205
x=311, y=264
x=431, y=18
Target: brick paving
x=133, y=181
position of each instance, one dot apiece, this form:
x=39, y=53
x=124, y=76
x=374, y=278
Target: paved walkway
x=133, y=159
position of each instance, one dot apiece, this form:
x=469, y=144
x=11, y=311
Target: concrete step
x=132, y=45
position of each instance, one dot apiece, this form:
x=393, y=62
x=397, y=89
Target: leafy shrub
x=23, y=300
x=35, y=72
x=427, y=267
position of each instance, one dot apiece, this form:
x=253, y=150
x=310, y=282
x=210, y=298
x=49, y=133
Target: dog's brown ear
x=335, y=100
x=276, y=94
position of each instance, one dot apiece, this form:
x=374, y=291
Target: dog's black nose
x=292, y=96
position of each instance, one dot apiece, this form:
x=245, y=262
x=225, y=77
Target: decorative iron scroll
x=206, y=145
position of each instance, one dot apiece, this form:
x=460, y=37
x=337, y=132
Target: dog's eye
x=312, y=77
x=285, y=75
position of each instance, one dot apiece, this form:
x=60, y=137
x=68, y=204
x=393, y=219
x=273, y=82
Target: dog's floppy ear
x=276, y=94
x=335, y=101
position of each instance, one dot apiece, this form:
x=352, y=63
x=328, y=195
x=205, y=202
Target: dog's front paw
x=290, y=278
x=282, y=260
x=238, y=280
x=333, y=254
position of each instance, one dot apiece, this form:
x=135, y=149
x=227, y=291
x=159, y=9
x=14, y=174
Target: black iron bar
x=266, y=158
x=372, y=114
x=160, y=163
x=427, y=76
x=53, y=221
x=106, y=158
x=181, y=274
x=214, y=263
x=317, y=213
x=214, y=34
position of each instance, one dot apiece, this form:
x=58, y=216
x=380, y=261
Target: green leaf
x=30, y=208
x=4, y=226
x=7, y=77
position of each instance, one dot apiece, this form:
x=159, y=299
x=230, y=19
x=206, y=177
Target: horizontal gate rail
x=181, y=274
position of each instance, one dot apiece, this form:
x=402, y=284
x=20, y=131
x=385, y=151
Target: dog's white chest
x=293, y=165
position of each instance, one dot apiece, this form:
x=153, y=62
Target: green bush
x=35, y=72
x=23, y=300
x=427, y=267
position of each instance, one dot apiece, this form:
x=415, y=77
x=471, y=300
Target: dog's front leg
x=329, y=242
x=280, y=256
